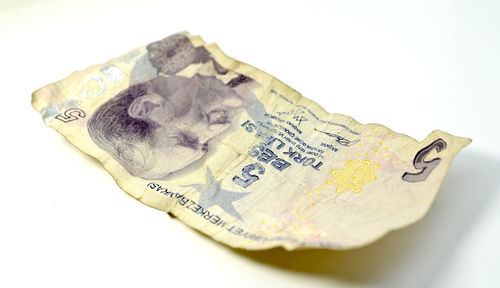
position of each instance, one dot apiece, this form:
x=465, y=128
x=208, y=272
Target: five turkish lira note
x=238, y=155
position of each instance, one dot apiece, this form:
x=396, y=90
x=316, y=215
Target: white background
x=414, y=67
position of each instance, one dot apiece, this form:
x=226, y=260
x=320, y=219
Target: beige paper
x=239, y=155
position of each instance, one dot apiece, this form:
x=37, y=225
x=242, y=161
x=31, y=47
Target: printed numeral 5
x=71, y=114
x=426, y=166
x=248, y=178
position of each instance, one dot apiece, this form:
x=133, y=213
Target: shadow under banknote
x=410, y=257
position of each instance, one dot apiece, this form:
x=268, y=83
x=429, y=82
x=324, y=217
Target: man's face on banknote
x=163, y=125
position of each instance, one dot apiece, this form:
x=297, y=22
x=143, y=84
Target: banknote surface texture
x=239, y=155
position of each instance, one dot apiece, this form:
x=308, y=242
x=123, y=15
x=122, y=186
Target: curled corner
x=453, y=143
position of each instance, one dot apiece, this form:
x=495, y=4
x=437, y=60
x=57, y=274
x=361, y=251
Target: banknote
x=240, y=156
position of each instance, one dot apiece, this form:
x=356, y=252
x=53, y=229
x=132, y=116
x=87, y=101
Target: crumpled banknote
x=240, y=156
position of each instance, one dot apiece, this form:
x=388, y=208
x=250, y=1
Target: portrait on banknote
x=165, y=123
